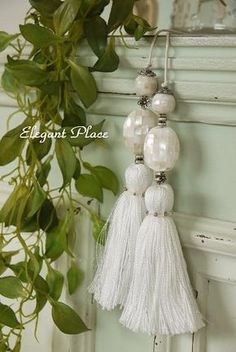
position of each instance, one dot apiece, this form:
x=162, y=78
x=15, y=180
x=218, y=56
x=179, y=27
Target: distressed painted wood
x=190, y=59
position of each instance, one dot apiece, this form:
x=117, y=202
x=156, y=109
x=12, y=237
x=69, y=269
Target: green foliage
x=98, y=226
x=55, y=282
x=74, y=278
x=27, y=72
x=89, y=186
x=8, y=317
x=67, y=320
x=96, y=34
x=11, y=144
x=53, y=89
x=39, y=36
x=109, y=61
x=65, y=15
x=11, y=287
x=6, y=39
x=105, y=176
x=66, y=160
x=84, y=83
x=56, y=241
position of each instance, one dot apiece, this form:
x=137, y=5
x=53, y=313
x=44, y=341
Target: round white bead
x=163, y=103
x=136, y=127
x=159, y=198
x=161, y=148
x=145, y=85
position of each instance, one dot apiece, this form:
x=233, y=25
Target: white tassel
x=112, y=280
x=161, y=299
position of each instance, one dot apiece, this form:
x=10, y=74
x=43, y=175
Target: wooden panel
x=200, y=74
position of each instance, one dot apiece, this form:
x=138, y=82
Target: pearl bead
x=159, y=198
x=161, y=148
x=163, y=103
x=136, y=127
x=145, y=85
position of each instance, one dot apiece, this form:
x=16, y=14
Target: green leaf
x=65, y=15
x=8, y=317
x=74, y=115
x=98, y=225
x=96, y=34
x=8, y=82
x=9, y=211
x=77, y=170
x=11, y=144
x=137, y=27
x=5, y=260
x=67, y=320
x=142, y=28
x=39, y=149
x=66, y=159
x=56, y=241
x=119, y=13
x=47, y=216
x=42, y=290
x=34, y=265
x=106, y=177
x=55, y=282
x=27, y=72
x=40, y=37
x=74, y=278
x=43, y=171
x=6, y=39
x=37, y=198
x=109, y=61
x=84, y=83
x=82, y=140
x=89, y=186
x=19, y=270
x=11, y=287
x=91, y=8
x=45, y=7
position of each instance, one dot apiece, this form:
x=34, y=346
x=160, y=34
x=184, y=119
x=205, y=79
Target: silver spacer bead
x=165, y=90
x=162, y=120
x=139, y=159
x=144, y=101
x=160, y=177
x=147, y=72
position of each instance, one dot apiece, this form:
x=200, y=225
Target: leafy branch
x=52, y=90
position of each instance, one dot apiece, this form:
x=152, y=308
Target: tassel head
x=137, y=178
x=159, y=199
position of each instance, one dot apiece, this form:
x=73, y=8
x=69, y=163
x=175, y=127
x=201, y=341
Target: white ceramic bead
x=163, y=103
x=161, y=148
x=159, y=198
x=145, y=85
x=136, y=127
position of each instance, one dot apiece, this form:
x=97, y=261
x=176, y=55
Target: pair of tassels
x=142, y=268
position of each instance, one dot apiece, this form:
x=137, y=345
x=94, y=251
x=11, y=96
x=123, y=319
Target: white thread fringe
x=112, y=280
x=161, y=299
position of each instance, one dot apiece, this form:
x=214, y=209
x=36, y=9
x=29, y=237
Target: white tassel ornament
x=110, y=286
x=161, y=300
x=112, y=280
